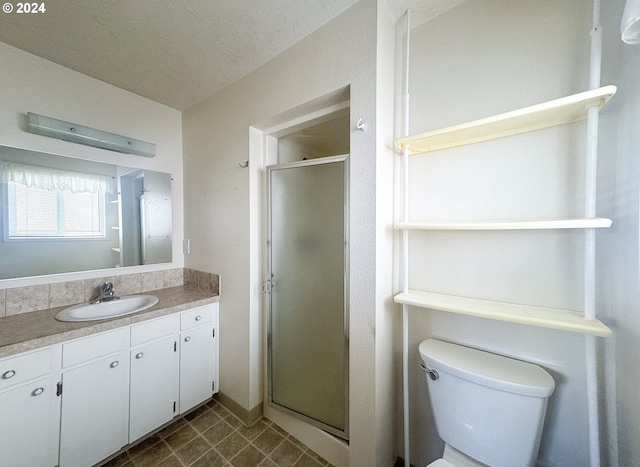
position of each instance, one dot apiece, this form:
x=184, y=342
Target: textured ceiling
x=177, y=52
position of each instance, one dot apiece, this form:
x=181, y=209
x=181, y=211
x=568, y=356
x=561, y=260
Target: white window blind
x=37, y=213
x=53, y=203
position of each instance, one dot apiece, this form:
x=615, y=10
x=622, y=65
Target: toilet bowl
x=454, y=458
x=488, y=409
x=441, y=463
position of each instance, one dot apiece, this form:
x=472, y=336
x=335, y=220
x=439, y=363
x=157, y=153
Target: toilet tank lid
x=487, y=369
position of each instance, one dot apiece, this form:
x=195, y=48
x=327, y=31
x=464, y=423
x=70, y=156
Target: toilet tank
x=488, y=406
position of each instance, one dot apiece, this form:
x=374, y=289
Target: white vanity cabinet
x=95, y=398
x=29, y=425
x=78, y=402
x=198, y=355
x=154, y=375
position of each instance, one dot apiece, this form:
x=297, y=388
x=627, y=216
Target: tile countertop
x=29, y=331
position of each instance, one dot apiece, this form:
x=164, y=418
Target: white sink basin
x=111, y=309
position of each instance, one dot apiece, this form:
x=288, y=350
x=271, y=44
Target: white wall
x=388, y=363
x=626, y=267
x=479, y=59
x=623, y=255
x=31, y=84
x=221, y=201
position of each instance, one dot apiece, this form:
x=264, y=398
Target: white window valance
x=47, y=178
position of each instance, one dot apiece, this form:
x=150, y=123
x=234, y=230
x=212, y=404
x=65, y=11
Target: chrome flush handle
x=433, y=374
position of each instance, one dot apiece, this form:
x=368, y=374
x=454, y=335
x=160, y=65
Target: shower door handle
x=266, y=286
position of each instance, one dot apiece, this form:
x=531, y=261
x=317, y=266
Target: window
x=37, y=213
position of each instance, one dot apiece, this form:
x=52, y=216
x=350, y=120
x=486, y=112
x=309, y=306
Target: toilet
x=488, y=409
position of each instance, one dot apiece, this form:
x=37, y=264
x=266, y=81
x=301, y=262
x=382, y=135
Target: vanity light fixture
x=47, y=126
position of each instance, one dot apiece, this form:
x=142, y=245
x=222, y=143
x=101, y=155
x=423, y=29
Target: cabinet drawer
x=197, y=316
x=154, y=329
x=88, y=348
x=23, y=367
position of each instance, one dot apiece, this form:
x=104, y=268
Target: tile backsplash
x=40, y=297
x=202, y=280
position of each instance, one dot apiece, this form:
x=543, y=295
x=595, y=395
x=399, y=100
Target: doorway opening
x=306, y=270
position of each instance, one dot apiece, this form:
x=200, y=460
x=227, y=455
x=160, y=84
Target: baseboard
x=248, y=417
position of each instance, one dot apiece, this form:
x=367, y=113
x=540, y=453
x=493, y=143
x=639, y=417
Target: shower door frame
x=268, y=288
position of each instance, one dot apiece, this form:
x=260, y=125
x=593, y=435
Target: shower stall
x=308, y=289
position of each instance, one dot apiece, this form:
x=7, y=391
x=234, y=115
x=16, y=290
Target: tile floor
x=211, y=437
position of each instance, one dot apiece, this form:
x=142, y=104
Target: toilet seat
x=441, y=463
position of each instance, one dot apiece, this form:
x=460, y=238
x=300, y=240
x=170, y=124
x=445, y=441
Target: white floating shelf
x=557, y=112
x=552, y=318
x=535, y=224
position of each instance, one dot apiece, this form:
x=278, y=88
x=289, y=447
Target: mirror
x=60, y=214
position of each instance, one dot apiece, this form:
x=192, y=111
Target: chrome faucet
x=106, y=294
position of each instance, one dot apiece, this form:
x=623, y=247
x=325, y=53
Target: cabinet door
x=95, y=410
x=29, y=425
x=198, y=362
x=154, y=386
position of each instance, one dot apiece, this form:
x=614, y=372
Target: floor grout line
x=247, y=434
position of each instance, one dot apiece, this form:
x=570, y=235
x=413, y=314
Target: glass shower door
x=307, y=329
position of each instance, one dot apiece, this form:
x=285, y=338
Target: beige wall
x=222, y=202
x=388, y=362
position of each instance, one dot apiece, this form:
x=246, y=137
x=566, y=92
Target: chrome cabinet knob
x=139, y=355
x=187, y=339
x=198, y=318
x=37, y=391
x=114, y=364
x=8, y=374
